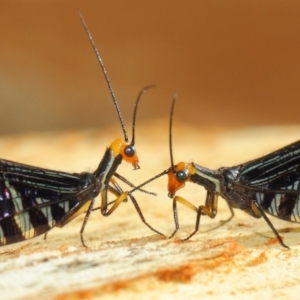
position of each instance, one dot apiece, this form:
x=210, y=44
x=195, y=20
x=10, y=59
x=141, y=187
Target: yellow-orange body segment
x=174, y=184
x=118, y=147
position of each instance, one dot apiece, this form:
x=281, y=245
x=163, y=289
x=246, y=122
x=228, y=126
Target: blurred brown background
x=232, y=63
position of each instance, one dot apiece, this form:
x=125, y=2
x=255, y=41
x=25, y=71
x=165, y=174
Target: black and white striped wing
x=273, y=181
x=33, y=200
x=279, y=170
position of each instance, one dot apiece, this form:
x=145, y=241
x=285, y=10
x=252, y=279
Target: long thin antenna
x=106, y=76
x=170, y=143
x=135, y=110
x=170, y=132
x=149, y=180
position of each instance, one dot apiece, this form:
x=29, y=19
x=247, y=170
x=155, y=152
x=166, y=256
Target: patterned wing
x=284, y=205
x=279, y=170
x=33, y=200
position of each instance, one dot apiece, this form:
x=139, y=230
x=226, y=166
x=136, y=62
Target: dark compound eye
x=182, y=175
x=129, y=151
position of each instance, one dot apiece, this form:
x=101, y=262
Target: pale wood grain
x=125, y=259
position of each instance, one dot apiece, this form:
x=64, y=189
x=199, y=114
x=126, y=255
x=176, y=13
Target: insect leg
x=121, y=198
x=230, y=218
x=116, y=189
x=175, y=213
x=222, y=222
x=259, y=211
x=142, y=216
x=131, y=184
x=209, y=209
x=87, y=215
x=105, y=211
x=113, y=190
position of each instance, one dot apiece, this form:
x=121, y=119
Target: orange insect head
x=178, y=178
x=128, y=152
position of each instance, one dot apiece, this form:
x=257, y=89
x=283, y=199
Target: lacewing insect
x=34, y=200
x=269, y=184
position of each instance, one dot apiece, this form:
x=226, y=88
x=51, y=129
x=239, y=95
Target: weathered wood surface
x=124, y=259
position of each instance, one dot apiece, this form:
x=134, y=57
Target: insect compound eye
x=182, y=175
x=129, y=151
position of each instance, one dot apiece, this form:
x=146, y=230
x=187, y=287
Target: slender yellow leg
x=209, y=209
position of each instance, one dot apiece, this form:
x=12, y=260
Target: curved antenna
x=105, y=75
x=170, y=132
x=148, y=181
x=170, y=143
x=135, y=110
